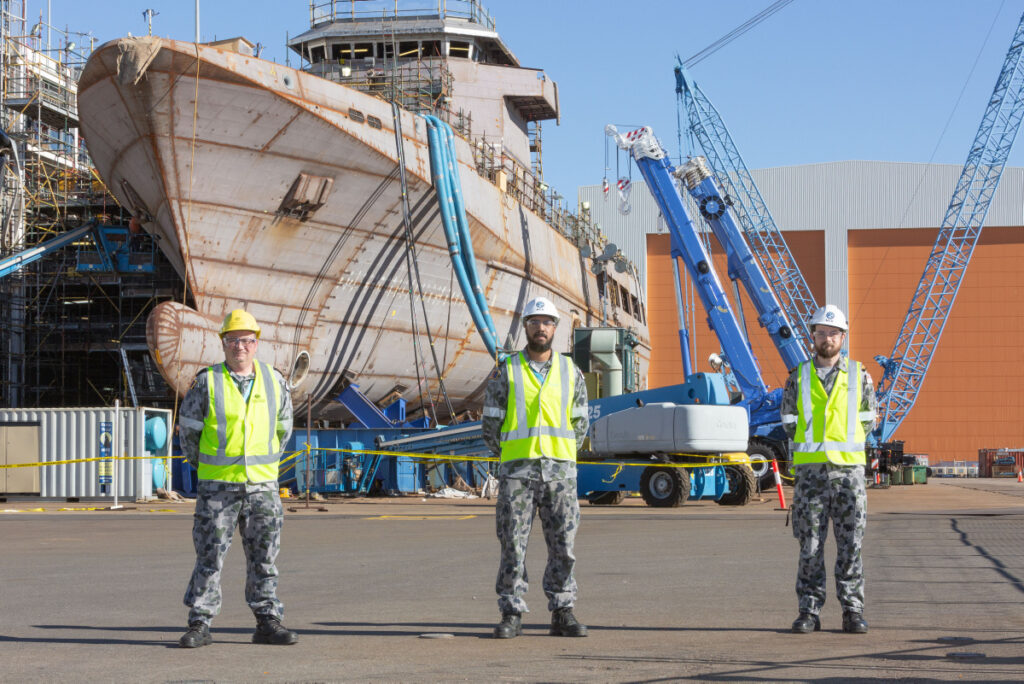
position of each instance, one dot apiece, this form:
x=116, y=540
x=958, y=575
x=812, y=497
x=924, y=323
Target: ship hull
x=205, y=145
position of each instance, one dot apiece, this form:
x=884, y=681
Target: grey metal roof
x=856, y=195
x=833, y=196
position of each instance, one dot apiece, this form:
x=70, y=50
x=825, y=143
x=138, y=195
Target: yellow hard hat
x=239, y=319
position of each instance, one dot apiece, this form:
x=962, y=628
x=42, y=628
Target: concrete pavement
x=700, y=592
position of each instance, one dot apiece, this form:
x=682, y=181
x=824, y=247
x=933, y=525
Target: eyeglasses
x=540, y=322
x=246, y=342
x=828, y=333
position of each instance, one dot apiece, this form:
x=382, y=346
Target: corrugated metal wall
x=833, y=197
x=863, y=195
x=73, y=433
x=861, y=232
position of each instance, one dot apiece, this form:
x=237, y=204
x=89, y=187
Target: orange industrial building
x=857, y=231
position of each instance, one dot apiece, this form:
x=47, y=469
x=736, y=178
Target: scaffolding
x=72, y=329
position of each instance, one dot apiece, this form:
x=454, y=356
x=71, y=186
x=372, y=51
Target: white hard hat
x=830, y=314
x=540, y=306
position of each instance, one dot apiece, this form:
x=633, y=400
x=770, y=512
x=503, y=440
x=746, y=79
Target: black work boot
x=853, y=623
x=511, y=625
x=198, y=634
x=564, y=623
x=806, y=623
x=269, y=630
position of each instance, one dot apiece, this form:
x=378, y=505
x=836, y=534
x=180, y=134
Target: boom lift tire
x=763, y=450
x=741, y=486
x=606, y=498
x=664, y=487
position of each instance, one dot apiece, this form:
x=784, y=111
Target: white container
x=74, y=433
x=671, y=428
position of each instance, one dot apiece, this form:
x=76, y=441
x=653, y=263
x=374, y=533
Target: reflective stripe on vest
x=239, y=442
x=537, y=418
x=828, y=427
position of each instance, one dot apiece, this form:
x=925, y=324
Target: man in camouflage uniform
x=237, y=489
x=540, y=476
x=827, y=443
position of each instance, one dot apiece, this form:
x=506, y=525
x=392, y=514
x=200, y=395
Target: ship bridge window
x=316, y=54
x=408, y=48
x=624, y=294
x=431, y=48
x=637, y=313
x=341, y=51
x=458, y=48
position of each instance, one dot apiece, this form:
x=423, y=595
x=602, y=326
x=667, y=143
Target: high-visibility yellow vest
x=239, y=442
x=828, y=426
x=538, y=417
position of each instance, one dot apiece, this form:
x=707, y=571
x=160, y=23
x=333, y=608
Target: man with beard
x=828, y=408
x=535, y=420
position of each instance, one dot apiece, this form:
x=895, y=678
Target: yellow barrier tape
x=111, y=458
x=492, y=459
x=714, y=461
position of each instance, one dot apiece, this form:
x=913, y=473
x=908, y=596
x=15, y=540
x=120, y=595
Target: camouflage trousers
x=256, y=510
x=559, y=511
x=824, y=491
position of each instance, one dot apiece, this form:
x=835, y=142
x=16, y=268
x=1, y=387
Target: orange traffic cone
x=1020, y=476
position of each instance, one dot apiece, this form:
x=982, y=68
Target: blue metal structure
x=762, y=404
x=733, y=176
x=18, y=261
x=905, y=368
x=741, y=262
x=117, y=250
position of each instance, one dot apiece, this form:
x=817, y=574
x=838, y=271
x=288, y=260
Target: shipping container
x=140, y=437
x=1003, y=462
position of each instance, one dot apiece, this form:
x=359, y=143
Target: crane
x=733, y=176
x=903, y=371
x=766, y=436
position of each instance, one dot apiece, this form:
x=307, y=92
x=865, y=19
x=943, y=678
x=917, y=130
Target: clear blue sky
x=821, y=80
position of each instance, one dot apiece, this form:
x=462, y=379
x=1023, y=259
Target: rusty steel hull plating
x=203, y=145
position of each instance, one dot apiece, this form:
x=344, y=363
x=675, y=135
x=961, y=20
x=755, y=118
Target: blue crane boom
x=18, y=261
x=741, y=262
x=904, y=370
x=762, y=404
x=734, y=178
x=656, y=170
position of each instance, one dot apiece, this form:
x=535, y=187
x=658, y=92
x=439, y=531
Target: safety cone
x=778, y=484
x=1020, y=476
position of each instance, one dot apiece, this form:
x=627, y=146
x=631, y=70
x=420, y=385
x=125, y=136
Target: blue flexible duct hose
x=448, y=186
x=465, y=240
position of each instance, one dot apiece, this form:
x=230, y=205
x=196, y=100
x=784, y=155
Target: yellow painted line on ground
x=23, y=510
x=420, y=517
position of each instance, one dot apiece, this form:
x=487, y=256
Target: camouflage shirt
x=828, y=377
x=544, y=469
x=192, y=414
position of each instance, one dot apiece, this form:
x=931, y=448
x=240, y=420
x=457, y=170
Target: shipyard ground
x=699, y=592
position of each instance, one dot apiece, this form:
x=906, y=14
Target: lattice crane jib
x=905, y=369
x=759, y=227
